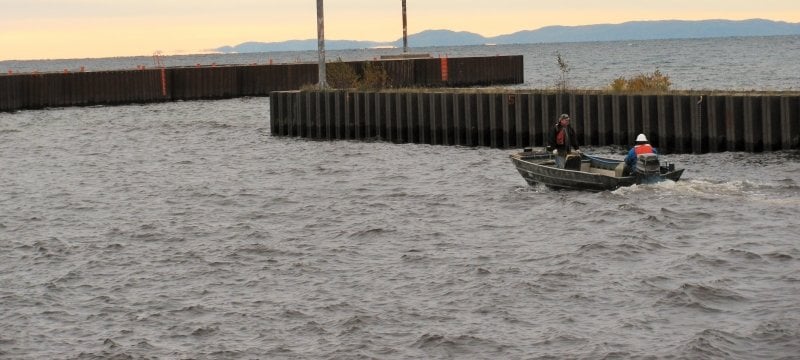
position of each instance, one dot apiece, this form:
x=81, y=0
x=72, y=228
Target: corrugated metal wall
x=34, y=91
x=685, y=123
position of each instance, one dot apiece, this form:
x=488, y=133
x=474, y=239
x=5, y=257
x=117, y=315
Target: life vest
x=561, y=136
x=643, y=149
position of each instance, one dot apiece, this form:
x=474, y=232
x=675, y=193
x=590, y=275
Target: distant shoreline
x=628, y=31
x=147, y=59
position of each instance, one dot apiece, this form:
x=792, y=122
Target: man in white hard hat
x=642, y=147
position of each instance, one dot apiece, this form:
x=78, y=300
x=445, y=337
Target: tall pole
x=321, y=45
x=405, y=29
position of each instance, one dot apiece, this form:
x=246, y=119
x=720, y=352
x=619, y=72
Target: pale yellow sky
x=42, y=29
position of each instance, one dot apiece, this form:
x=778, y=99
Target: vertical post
x=405, y=29
x=321, y=44
x=163, y=81
x=444, y=69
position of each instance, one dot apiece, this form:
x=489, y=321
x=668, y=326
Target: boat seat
x=600, y=171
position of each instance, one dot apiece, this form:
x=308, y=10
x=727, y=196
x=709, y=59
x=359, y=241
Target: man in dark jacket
x=562, y=140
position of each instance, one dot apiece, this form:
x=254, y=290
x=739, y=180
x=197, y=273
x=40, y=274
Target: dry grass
x=558, y=92
x=341, y=75
x=653, y=82
x=372, y=76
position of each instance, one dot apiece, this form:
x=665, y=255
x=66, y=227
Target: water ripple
x=184, y=230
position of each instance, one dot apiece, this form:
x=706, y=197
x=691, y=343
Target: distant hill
x=649, y=30
x=634, y=30
x=429, y=38
x=298, y=45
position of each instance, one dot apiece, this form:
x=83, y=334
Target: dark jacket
x=570, y=139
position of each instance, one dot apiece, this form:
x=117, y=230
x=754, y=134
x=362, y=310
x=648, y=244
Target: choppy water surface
x=185, y=230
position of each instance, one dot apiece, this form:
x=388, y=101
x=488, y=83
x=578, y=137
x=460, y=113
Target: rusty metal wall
x=35, y=91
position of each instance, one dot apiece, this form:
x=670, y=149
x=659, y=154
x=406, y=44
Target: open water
x=186, y=230
x=737, y=63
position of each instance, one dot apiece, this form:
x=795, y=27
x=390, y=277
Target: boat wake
x=785, y=192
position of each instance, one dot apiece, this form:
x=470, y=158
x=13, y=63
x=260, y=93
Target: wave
x=439, y=345
x=698, y=296
x=710, y=343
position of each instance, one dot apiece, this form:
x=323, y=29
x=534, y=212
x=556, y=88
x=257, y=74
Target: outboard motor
x=648, y=165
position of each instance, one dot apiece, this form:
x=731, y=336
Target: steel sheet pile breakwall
x=43, y=90
x=686, y=123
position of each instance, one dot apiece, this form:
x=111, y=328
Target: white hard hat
x=641, y=138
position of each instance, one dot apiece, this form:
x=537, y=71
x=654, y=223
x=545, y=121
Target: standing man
x=562, y=139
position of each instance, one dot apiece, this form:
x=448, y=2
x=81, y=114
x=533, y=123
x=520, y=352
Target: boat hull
x=596, y=174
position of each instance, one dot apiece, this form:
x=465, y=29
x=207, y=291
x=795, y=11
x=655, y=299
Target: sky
x=67, y=29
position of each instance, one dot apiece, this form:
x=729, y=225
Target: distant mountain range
x=634, y=30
